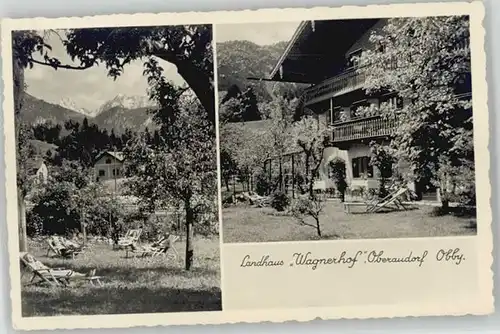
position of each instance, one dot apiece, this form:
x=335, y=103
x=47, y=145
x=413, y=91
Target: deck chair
x=373, y=206
x=162, y=247
x=129, y=241
x=55, y=276
x=62, y=247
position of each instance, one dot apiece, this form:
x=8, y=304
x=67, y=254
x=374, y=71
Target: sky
x=89, y=88
x=258, y=33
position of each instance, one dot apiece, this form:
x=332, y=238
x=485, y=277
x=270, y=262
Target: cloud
x=88, y=88
x=258, y=33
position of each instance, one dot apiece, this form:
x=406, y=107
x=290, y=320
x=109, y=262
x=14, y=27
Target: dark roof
x=317, y=49
x=117, y=155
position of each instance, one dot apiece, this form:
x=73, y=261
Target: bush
x=263, y=184
x=280, y=201
x=301, y=207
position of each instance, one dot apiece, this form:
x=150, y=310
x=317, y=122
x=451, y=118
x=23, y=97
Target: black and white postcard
x=270, y=165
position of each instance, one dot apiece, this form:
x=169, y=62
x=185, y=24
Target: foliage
x=228, y=166
x=312, y=138
x=243, y=150
x=69, y=198
x=309, y=206
x=25, y=154
x=382, y=157
x=181, y=168
x=48, y=132
x=189, y=47
x=263, y=184
x=239, y=107
x=338, y=174
x=426, y=62
x=280, y=201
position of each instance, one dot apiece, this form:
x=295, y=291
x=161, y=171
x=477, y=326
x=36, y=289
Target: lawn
x=133, y=285
x=249, y=224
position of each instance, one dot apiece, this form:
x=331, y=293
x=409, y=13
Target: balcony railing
x=340, y=84
x=364, y=128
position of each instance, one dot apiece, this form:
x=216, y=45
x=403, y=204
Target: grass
x=131, y=285
x=248, y=224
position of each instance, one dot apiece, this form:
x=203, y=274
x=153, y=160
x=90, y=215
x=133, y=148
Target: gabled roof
x=317, y=50
x=117, y=155
x=34, y=164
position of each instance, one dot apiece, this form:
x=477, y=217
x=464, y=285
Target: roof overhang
x=317, y=50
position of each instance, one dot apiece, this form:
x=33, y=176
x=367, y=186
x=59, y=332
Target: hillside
x=119, y=119
x=238, y=60
x=112, y=115
x=37, y=111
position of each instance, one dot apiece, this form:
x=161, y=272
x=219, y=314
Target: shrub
x=338, y=173
x=280, y=201
x=263, y=184
x=311, y=207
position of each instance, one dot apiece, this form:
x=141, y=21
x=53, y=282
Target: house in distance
x=323, y=54
x=109, y=166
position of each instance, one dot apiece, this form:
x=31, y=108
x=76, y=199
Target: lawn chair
x=129, y=241
x=162, y=247
x=376, y=205
x=62, y=247
x=55, y=276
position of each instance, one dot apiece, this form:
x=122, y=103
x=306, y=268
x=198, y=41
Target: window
x=393, y=101
x=361, y=167
x=337, y=114
x=352, y=59
x=108, y=161
x=102, y=172
x=354, y=108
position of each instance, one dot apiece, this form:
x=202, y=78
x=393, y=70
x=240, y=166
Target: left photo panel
x=116, y=164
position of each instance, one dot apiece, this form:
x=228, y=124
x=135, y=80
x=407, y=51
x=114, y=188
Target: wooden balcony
x=363, y=128
x=338, y=85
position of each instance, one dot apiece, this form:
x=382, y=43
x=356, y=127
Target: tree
x=312, y=137
x=71, y=201
x=382, y=157
x=231, y=110
x=25, y=152
x=338, y=174
x=183, y=166
x=228, y=166
x=426, y=62
x=309, y=207
x=187, y=47
x=280, y=131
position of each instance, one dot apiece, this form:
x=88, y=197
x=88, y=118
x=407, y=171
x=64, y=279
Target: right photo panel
x=346, y=129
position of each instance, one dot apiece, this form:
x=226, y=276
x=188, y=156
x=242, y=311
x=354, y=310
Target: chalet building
x=109, y=166
x=38, y=169
x=321, y=53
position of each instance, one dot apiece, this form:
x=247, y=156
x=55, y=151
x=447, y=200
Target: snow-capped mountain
x=120, y=100
x=68, y=103
x=126, y=102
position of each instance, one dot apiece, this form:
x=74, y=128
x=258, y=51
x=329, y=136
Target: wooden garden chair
x=162, y=247
x=373, y=206
x=152, y=249
x=55, y=276
x=130, y=240
x=62, y=247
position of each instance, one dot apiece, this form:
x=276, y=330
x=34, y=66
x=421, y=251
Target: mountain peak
x=126, y=102
x=68, y=103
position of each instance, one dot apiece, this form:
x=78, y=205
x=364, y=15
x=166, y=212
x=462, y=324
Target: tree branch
x=68, y=67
